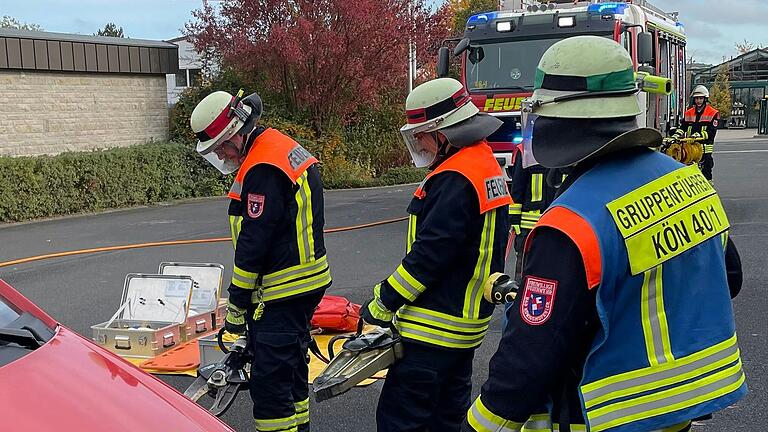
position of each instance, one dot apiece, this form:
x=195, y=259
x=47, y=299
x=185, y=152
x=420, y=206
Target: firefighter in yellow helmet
x=457, y=235
x=280, y=270
x=623, y=321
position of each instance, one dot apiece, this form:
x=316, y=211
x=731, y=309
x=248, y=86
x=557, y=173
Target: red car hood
x=71, y=384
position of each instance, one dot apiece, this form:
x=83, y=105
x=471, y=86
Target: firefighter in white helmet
x=457, y=233
x=280, y=270
x=701, y=120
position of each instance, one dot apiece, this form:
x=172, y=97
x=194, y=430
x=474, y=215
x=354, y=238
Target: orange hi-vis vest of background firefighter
x=274, y=148
x=296, y=263
x=702, y=126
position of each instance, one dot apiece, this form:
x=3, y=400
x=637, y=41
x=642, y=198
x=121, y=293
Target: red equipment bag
x=336, y=313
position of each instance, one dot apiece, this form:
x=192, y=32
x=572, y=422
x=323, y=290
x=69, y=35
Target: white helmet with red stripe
x=217, y=118
x=443, y=105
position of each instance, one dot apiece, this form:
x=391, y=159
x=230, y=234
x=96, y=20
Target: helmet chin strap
x=444, y=150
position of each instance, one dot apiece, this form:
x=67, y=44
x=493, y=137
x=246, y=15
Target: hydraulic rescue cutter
x=222, y=381
x=362, y=355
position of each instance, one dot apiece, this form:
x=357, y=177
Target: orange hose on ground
x=174, y=243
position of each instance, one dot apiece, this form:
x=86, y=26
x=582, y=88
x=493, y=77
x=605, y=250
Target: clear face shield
x=225, y=157
x=422, y=142
x=528, y=119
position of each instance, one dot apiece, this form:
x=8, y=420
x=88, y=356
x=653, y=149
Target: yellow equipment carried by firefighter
x=686, y=150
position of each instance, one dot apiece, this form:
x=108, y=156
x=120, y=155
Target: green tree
x=13, y=23
x=466, y=8
x=111, y=29
x=720, y=94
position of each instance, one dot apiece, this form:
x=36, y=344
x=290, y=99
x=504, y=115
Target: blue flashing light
x=483, y=18
x=607, y=8
x=517, y=139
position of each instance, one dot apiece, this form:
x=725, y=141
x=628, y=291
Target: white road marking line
x=742, y=151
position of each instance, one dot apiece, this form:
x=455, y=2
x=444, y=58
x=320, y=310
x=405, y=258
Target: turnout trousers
x=428, y=390
x=279, y=372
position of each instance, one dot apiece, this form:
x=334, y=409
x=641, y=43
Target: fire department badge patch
x=538, y=300
x=255, y=205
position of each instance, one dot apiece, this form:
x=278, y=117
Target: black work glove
x=235, y=321
x=374, y=312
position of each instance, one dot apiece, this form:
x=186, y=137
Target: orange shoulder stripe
x=581, y=233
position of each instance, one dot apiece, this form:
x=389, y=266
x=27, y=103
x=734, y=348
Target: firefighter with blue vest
x=280, y=270
x=457, y=234
x=623, y=321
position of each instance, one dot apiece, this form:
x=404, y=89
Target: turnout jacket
x=457, y=234
x=704, y=123
x=276, y=221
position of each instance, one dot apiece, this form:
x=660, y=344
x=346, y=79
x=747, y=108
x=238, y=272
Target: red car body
x=71, y=384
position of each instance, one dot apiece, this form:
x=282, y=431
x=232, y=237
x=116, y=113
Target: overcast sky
x=713, y=26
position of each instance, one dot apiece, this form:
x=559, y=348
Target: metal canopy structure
x=752, y=66
x=748, y=75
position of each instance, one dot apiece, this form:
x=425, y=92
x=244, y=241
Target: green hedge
x=71, y=183
x=45, y=186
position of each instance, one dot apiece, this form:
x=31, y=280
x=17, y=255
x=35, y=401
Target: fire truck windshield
x=509, y=65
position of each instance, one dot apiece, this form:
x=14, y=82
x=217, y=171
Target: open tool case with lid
x=206, y=311
x=148, y=322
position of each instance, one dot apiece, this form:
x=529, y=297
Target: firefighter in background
x=457, y=235
x=281, y=271
x=533, y=189
x=702, y=119
x=623, y=321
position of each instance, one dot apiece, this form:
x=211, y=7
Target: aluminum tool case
x=148, y=322
x=205, y=311
x=209, y=350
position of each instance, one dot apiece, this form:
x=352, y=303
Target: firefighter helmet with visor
x=215, y=120
x=442, y=105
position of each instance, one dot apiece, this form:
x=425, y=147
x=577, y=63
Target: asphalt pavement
x=85, y=289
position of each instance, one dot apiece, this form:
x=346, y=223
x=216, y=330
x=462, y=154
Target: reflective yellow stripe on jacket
x=529, y=219
x=304, y=230
x=296, y=280
x=439, y=328
x=235, y=223
x=312, y=273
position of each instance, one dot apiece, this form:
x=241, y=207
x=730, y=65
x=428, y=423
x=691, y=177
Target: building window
x=181, y=78
x=194, y=77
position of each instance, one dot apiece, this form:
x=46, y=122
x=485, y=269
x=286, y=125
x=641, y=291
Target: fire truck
x=500, y=50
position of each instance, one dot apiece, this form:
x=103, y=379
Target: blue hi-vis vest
x=652, y=233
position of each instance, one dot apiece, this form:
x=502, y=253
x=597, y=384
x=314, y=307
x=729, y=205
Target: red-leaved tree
x=326, y=57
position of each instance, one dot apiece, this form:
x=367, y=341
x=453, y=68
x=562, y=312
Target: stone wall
x=50, y=112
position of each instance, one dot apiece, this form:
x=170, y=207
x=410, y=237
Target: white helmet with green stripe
x=584, y=103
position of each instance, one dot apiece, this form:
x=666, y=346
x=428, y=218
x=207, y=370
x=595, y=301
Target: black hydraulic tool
x=222, y=381
x=362, y=355
x=500, y=288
